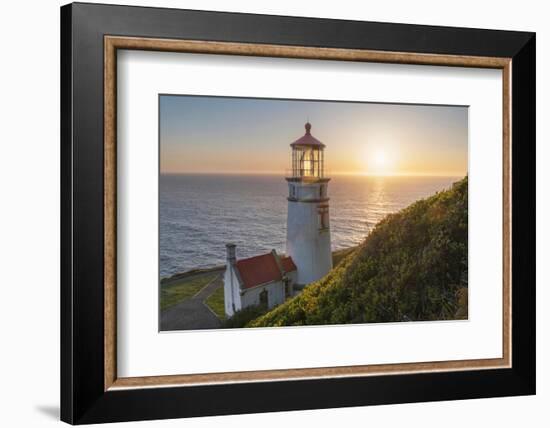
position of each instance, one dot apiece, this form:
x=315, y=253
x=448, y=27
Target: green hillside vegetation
x=412, y=267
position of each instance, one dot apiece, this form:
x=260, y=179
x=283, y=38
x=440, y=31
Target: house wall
x=275, y=294
x=292, y=276
x=236, y=299
x=232, y=298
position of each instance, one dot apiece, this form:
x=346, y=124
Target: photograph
x=290, y=212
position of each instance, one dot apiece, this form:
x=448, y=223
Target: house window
x=263, y=298
x=288, y=287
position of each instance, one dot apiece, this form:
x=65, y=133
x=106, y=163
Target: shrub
x=242, y=317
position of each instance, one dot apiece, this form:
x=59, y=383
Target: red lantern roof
x=308, y=140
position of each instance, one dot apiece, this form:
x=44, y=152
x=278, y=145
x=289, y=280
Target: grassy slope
x=413, y=266
x=177, y=291
x=216, y=302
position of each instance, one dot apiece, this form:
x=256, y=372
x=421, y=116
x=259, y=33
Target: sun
x=379, y=161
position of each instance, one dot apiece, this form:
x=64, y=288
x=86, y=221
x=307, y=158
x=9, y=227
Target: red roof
x=262, y=269
x=308, y=139
x=288, y=264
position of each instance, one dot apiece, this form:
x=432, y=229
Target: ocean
x=200, y=213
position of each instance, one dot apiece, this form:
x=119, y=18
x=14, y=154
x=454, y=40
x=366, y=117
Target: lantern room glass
x=307, y=162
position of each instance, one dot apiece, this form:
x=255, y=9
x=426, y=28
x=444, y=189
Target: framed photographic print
x=278, y=213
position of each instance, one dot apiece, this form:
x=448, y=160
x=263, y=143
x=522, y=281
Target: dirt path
x=193, y=314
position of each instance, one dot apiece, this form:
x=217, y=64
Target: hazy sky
x=232, y=135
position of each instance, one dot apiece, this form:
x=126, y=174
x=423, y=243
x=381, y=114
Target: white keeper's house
x=270, y=279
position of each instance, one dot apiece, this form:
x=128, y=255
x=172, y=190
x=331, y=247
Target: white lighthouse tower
x=308, y=226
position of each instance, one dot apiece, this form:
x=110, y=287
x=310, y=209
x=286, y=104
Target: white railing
x=301, y=173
